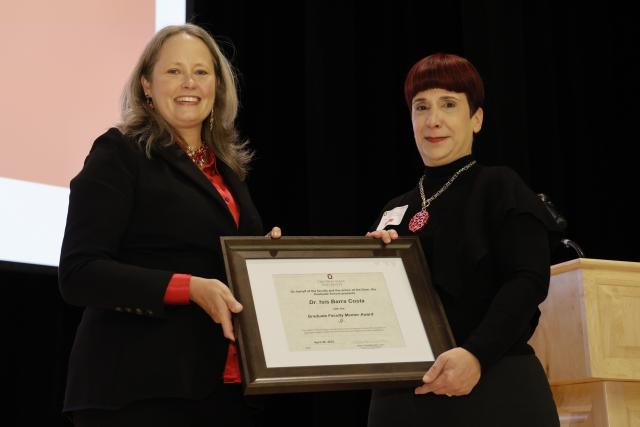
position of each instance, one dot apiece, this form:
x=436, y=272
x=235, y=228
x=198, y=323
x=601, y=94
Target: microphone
x=562, y=224
x=557, y=217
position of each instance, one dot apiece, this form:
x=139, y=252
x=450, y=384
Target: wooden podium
x=588, y=341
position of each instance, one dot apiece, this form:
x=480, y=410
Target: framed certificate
x=333, y=313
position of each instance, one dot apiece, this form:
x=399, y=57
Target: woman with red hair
x=485, y=237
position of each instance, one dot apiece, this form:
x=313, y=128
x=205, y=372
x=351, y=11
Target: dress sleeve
x=522, y=257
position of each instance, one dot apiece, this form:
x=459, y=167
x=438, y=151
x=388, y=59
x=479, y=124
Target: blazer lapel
x=179, y=160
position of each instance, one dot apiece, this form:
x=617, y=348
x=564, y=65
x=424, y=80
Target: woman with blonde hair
x=141, y=250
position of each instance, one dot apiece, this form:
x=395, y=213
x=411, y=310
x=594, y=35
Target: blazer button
x=118, y=308
x=149, y=313
x=139, y=311
x=127, y=309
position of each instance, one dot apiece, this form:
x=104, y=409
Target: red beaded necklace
x=201, y=156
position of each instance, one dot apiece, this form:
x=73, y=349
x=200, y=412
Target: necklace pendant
x=419, y=220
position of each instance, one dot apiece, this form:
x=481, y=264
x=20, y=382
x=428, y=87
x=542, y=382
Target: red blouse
x=177, y=292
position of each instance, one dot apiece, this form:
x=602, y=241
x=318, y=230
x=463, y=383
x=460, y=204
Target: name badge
x=392, y=217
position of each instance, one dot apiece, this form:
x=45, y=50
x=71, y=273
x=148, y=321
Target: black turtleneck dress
x=487, y=246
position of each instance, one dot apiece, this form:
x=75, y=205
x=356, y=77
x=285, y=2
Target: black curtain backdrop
x=322, y=104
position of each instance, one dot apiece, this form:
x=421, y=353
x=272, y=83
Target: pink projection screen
x=64, y=65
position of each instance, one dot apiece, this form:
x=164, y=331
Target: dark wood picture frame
x=260, y=379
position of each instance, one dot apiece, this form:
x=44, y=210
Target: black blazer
x=132, y=223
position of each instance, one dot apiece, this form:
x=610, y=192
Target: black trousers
x=227, y=407
x=513, y=392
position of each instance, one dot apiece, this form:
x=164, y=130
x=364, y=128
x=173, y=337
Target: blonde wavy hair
x=147, y=127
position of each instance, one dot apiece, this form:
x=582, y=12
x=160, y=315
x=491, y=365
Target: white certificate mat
x=336, y=311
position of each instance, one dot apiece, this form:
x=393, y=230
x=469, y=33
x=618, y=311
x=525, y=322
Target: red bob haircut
x=445, y=71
